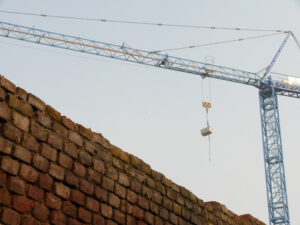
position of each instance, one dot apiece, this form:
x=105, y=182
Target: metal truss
x=273, y=157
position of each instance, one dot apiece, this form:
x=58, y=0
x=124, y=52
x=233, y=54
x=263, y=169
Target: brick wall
x=54, y=171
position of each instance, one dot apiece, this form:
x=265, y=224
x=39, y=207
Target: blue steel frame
x=268, y=91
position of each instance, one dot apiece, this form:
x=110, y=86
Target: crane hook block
x=207, y=131
x=206, y=105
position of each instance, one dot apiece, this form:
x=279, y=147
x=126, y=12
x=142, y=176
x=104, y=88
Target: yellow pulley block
x=206, y=105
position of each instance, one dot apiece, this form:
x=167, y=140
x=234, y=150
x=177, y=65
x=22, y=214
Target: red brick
x=10, y=217
x=92, y=205
x=137, y=212
x=131, y=220
x=120, y=191
x=98, y=220
x=93, y=176
x=36, y=102
x=101, y=194
x=53, y=113
x=71, y=150
x=73, y=222
x=12, y=133
x=71, y=179
x=16, y=185
x=21, y=203
x=60, y=129
x=20, y=105
x=29, y=142
x=124, y=179
x=131, y=196
x=22, y=154
x=85, y=158
x=2, y=179
x=5, y=146
x=20, y=121
x=40, y=163
x=75, y=138
x=28, y=173
x=68, y=123
x=58, y=218
x=28, y=220
x=110, y=222
x=22, y=94
x=55, y=141
x=5, y=197
x=86, y=187
x=69, y=209
x=106, y=210
x=9, y=165
x=52, y=201
x=62, y=190
x=84, y=215
x=77, y=197
x=45, y=181
x=56, y=171
x=108, y=184
x=40, y=212
x=119, y=216
x=98, y=166
x=7, y=85
x=79, y=169
x=2, y=94
x=35, y=193
x=65, y=161
x=38, y=131
x=113, y=200
x=44, y=120
x=5, y=112
x=49, y=153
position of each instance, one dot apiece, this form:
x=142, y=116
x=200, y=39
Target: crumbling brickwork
x=54, y=171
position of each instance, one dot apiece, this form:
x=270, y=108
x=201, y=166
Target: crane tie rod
x=141, y=23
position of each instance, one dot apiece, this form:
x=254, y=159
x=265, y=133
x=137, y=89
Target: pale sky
x=156, y=114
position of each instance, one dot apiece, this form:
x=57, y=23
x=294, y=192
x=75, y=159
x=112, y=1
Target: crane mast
x=269, y=88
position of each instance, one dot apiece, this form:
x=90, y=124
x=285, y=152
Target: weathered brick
x=29, y=142
x=5, y=146
x=5, y=112
x=7, y=85
x=28, y=173
x=136, y=162
x=69, y=123
x=22, y=154
x=73, y=221
x=20, y=121
x=186, y=213
x=93, y=176
x=159, y=221
x=173, y=218
x=3, y=178
x=71, y=179
x=120, y=154
x=119, y=216
x=40, y=212
x=98, y=220
x=101, y=194
x=55, y=141
x=147, y=192
x=60, y=129
x=10, y=217
x=106, y=210
x=130, y=220
x=84, y=215
x=40, y=163
x=124, y=179
x=137, y=212
x=56, y=171
x=28, y=220
x=2, y=94
x=65, y=161
x=164, y=213
x=35, y=193
x=114, y=200
x=5, y=197
x=120, y=191
x=92, y=205
x=12, y=133
x=36, y=102
x=149, y=218
x=21, y=93
x=75, y=138
x=52, y=201
x=131, y=196
x=48, y=152
x=136, y=186
x=112, y=173
x=20, y=105
x=167, y=203
x=45, y=181
x=44, y=120
x=79, y=169
x=118, y=163
x=87, y=133
x=98, y=138
x=104, y=155
x=53, y=113
x=176, y=208
x=90, y=147
x=108, y=184
x=77, y=197
x=62, y=190
x=21, y=203
x=143, y=202
x=154, y=208
x=110, y=222
x=85, y=158
x=58, y=218
x=9, y=165
x=69, y=209
x=71, y=150
x=86, y=187
x=38, y=131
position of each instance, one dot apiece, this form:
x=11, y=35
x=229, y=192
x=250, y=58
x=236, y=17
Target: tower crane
x=269, y=88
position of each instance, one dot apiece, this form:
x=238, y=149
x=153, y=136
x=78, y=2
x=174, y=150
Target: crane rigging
x=269, y=88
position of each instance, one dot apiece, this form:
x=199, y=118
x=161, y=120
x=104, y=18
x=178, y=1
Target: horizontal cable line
x=143, y=23
x=216, y=43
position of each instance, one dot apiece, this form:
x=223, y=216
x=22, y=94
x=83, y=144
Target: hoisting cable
x=141, y=23
x=217, y=43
